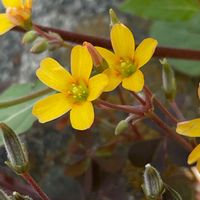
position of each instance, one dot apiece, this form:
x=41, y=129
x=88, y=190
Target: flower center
x=127, y=68
x=79, y=91
x=18, y=16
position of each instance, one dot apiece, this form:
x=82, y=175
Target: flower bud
x=39, y=46
x=153, y=186
x=4, y=196
x=99, y=63
x=55, y=42
x=121, y=127
x=169, y=81
x=17, y=155
x=113, y=18
x=29, y=37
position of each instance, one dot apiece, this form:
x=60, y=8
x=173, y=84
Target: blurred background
x=174, y=23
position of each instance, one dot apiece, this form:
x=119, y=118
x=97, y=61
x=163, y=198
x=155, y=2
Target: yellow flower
x=195, y=157
x=125, y=62
x=18, y=13
x=75, y=90
x=190, y=128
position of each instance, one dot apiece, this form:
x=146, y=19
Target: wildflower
x=76, y=91
x=191, y=128
x=18, y=13
x=125, y=62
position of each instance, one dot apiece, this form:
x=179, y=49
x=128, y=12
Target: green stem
x=25, y=98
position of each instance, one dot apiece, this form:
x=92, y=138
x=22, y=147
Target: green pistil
x=79, y=92
x=127, y=68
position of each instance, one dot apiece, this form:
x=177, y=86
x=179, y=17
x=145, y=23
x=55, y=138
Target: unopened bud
x=29, y=37
x=39, y=46
x=17, y=196
x=55, y=42
x=98, y=61
x=153, y=186
x=17, y=156
x=4, y=196
x=121, y=127
x=113, y=18
x=169, y=81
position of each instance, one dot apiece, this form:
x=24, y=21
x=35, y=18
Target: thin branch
x=77, y=38
x=25, y=98
x=35, y=186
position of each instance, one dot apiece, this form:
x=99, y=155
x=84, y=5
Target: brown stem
x=160, y=105
x=140, y=99
x=125, y=108
x=169, y=132
x=35, y=186
x=80, y=38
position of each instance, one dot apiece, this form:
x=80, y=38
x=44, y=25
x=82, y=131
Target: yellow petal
x=96, y=86
x=5, y=24
x=144, y=51
x=28, y=4
x=194, y=155
x=109, y=56
x=114, y=79
x=122, y=41
x=135, y=82
x=82, y=116
x=12, y=3
x=189, y=128
x=51, y=107
x=54, y=75
x=81, y=62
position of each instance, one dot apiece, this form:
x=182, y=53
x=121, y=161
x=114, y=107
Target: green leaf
x=162, y=10
x=19, y=117
x=180, y=35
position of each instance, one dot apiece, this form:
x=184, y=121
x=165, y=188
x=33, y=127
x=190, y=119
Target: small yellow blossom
x=190, y=128
x=125, y=62
x=18, y=13
x=75, y=90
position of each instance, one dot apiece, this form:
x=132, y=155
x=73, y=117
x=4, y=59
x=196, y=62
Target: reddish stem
x=170, y=133
x=97, y=41
x=35, y=186
x=125, y=108
x=162, y=108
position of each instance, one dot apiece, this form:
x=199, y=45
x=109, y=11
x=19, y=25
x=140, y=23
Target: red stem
x=170, y=133
x=162, y=108
x=125, y=108
x=36, y=187
x=97, y=41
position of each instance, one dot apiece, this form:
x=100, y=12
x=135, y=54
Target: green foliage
x=162, y=10
x=180, y=35
x=19, y=117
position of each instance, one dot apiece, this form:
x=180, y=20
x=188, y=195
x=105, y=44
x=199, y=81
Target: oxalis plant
x=102, y=93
